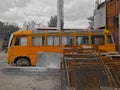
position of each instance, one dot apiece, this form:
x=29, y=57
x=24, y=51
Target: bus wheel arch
x=22, y=61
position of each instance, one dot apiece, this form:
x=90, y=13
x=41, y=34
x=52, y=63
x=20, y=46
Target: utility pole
x=60, y=15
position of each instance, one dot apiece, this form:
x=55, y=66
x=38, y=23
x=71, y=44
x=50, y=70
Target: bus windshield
x=10, y=41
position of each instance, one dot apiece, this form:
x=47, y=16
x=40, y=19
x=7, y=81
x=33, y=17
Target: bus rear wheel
x=23, y=62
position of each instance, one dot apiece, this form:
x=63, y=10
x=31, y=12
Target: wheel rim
x=22, y=62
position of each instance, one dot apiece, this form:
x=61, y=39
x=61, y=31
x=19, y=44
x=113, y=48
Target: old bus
x=24, y=45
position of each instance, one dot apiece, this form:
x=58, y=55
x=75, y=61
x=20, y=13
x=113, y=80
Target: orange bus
x=24, y=45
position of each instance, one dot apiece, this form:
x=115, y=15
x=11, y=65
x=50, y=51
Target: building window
x=37, y=41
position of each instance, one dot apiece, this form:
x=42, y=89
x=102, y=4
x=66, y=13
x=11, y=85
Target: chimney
x=60, y=15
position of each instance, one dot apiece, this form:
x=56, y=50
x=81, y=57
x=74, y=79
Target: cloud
x=19, y=3
x=76, y=12
x=32, y=10
x=78, y=24
x=5, y=5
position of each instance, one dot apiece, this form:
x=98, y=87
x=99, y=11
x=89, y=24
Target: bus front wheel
x=23, y=62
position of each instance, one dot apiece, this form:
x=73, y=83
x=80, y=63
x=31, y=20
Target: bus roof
x=42, y=31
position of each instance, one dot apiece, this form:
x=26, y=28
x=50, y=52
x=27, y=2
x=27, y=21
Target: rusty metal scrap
x=86, y=69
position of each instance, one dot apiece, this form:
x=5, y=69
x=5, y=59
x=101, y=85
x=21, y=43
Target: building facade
x=106, y=15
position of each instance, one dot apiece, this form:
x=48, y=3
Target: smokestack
x=60, y=16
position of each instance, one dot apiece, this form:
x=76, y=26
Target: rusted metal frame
x=110, y=64
x=114, y=71
x=114, y=81
x=79, y=50
x=112, y=75
x=86, y=67
x=67, y=74
x=73, y=74
x=73, y=80
x=77, y=62
x=77, y=58
x=63, y=79
x=73, y=56
x=109, y=75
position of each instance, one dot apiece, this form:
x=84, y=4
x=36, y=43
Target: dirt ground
x=26, y=82
x=13, y=81
x=3, y=60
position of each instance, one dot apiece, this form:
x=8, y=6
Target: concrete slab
x=46, y=59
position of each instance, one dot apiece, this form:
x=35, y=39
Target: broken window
x=67, y=40
x=21, y=41
x=109, y=39
x=82, y=40
x=98, y=39
x=52, y=40
x=37, y=41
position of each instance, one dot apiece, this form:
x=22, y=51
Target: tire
x=23, y=62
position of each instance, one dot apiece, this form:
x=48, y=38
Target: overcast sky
x=76, y=12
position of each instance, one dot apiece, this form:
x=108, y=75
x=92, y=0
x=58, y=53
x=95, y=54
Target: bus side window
x=21, y=41
x=67, y=40
x=37, y=40
x=82, y=40
x=109, y=39
x=52, y=40
x=98, y=39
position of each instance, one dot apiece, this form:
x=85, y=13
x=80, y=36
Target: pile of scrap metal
x=84, y=68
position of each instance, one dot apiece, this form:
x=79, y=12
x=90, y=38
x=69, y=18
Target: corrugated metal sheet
x=112, y=11
x=100, y=18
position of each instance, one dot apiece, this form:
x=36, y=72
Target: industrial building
x=107, y=15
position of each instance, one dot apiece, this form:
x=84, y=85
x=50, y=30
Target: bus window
x=37, y=41
x=21, y=41
x=82, y=40
x=98, y=39
x=52, y=40
x=109, y=39
x=68, y=40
